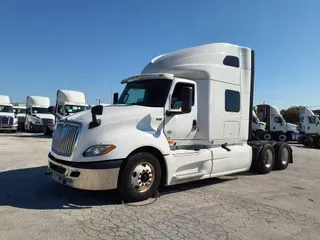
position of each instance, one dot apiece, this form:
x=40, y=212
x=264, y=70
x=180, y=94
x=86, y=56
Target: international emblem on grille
x=64, y=138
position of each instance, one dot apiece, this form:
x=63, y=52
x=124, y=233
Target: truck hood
x=292, y=127
x=117, y=113
x=7, y=114
x=45, y=116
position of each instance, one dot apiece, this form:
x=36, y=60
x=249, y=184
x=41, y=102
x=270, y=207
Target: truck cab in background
x=257, y=127
x=37, y=114
x=186, y=117
x=276, y=126
x=20, y=111
x=309, y=127
x=68, y=102
x=8, y=120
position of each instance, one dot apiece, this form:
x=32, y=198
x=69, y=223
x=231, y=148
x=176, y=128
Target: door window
x=277, y=120
x=176, y=98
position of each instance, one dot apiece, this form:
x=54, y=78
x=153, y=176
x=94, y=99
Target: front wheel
x=282, y=137
x=139, y=177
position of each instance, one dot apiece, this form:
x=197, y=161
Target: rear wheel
x=265, y=161
x=308, y=142
x=283, y=155
x=139, y=177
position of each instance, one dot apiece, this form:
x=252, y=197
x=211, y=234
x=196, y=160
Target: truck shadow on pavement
x=33, y=136
x=30, y=188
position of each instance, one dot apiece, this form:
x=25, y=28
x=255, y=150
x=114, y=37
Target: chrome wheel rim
x=268, y=158
x=142, y=177
x=284, y=156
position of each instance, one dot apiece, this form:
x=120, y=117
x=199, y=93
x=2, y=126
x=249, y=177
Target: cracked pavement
x=280, y=205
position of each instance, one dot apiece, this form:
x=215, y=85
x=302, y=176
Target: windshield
x=7, y=109
x=39, y=110
x=19, y=110
x=75, y=108
x=149, y=93
x=255, y=119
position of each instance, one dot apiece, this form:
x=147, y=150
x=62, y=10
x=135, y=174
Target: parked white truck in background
x=20, y=111
x=8, y=120
x=186, y=117
x=37, y=113
x=257, y=127
x=68, y=102
x=276, y=126
x=309, y=126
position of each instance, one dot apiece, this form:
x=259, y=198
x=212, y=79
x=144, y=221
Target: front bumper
x=86, y=176
x=9, y=127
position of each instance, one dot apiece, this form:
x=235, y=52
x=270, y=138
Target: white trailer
x=8, y=120
x=276, y=126
x=309, y=126
x=186, y=117
x=67, y=102
x=37, y=113
x=20, y=110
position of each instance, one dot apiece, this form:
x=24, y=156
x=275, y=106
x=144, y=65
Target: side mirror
x=52, y=109
x=186, y=96
x=115, y=98
x=96, y=110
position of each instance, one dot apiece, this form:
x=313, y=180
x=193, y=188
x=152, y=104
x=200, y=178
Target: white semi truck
x=20, y=111
x=276, y=126
x=309, y=126
x=186, y=117
x=67, y=102
x=257, y=127
x=37, y=114
x=8, y=120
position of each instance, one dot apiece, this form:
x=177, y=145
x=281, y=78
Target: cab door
x=278, y=124
x=180, y=127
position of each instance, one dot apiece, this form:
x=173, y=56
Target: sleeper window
x=232, y=101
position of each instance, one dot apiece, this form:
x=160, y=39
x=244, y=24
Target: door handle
x=224, y=146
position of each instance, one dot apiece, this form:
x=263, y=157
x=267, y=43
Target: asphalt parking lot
x=280, y=205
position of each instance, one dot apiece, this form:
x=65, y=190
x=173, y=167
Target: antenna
x=111, y=91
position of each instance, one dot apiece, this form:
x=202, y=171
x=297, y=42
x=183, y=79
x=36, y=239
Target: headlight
x=98, y=150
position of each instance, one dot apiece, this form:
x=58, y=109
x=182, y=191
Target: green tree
x=291, y=114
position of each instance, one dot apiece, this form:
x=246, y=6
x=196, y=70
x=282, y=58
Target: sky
x=91, y=46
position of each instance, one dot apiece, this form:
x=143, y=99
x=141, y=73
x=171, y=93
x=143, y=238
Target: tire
x=316, y=142
x=267, y=136
x=266, y=159
x=46, y=131
x=308, y=142
x=259, y=134
x=283, y=155
x=282, y=137
x=135, y=182
x=31, y=129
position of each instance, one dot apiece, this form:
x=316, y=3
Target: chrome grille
x=4, y=120
x=47, y=121
x=64, y=138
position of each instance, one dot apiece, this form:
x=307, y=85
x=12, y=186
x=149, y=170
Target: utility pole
x=98, y=100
